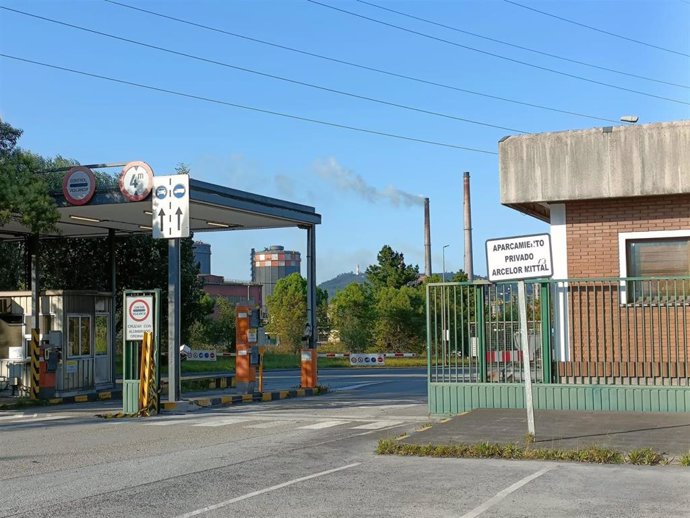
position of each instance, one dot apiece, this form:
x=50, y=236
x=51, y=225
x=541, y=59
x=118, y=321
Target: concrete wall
x=617, y=162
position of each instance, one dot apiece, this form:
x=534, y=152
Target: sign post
x=170, y=213
x=519, y=258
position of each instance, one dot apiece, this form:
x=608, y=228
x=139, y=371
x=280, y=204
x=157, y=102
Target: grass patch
x=685, y=459
x=272, y=361
x=486, y=450
x=423, y=427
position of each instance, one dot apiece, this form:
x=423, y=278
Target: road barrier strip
x=235, y=399
x=387, y=355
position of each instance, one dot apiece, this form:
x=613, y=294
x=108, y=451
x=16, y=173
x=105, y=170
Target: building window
x=653, y=257
x=79, y=335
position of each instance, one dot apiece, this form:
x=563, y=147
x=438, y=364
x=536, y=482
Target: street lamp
x=444, y=262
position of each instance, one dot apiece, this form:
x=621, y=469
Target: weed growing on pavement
x=529, y=438
x=685, y=459
x=423, y=427
x=645, y=457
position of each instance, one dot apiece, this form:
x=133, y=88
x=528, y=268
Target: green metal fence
x=603, y=332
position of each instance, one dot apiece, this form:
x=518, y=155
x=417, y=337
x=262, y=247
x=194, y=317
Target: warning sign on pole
x=138, y=316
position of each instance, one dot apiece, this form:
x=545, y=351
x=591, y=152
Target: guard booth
x=76, y=346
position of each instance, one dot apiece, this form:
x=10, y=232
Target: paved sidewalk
x=665, y=433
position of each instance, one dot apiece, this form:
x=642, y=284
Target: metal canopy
x=211, y=208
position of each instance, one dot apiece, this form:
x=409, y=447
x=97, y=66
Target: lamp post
x=444, y=262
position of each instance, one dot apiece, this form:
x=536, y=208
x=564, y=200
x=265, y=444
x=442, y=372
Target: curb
x=82, y=398
x=255, y=397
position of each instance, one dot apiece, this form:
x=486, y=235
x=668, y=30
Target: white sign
x=15, y=353
x=365, y=360
x=170, y=206
x=202, y=356
x=138, y=316
x=521, y=257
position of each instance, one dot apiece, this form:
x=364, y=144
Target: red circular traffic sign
x=79, y=185
x=139, y=310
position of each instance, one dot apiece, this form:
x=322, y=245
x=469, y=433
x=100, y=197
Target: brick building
x=617, y=200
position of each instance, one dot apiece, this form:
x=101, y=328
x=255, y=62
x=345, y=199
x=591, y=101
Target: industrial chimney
x=469, y=269
x=427, y=239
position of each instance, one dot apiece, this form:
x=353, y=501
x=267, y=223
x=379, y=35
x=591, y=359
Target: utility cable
x=499, y=56
x=264, y=74
x=620, y=36
x=244, y=107
x=514, y=45
x=360, y=66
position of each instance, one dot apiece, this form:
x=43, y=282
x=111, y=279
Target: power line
x=597, y=29
x=360, y=66
x=499, y=56
x=264, y=74
x=244, y=107
x=514, y=45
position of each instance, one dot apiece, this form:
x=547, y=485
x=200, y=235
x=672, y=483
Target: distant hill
x=339, y=283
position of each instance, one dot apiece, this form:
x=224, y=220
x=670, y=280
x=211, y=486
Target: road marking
x=29, y=420
x=324, y=424
x=376, y=425
x=360, y=385
x=222, y=421
x=502, y=494
x=270, y=424
x=266, y=490
x=17, y=416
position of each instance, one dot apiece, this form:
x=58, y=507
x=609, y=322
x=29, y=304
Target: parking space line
x=265, y=490
x=502, y=494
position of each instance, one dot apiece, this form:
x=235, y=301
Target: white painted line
x=169, y=422
x=30, y=420
x=502, y=494
x=223, y=421
x=17, y=416
x=269, y=424
x=324, y=424
x=376, y=425
x=360, y=385
x=266, y=490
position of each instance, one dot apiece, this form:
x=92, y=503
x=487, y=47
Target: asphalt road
x=308, y=457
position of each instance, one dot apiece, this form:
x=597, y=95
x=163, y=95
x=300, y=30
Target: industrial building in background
x=236, y=292
x=267, y=268
x=272, y=264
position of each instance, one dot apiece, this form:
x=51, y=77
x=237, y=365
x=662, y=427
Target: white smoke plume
x=330, y=170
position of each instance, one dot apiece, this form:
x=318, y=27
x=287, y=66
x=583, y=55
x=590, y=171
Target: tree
x=23, y=195
x=400, y=319
x=353, y=315
x=217, y=329
x=287, y=312
x=391, y=270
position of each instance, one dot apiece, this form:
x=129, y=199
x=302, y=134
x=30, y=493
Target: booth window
x=102, y=333
x=79, y=335
x=657, y=257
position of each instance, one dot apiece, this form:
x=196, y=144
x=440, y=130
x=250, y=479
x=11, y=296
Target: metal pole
x=444, y=262
x=527, y=374
x=113, y=304
x=174, y=319
x=311, y=286
x=469, y=268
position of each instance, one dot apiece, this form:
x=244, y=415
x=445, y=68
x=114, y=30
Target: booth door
x=103, y=372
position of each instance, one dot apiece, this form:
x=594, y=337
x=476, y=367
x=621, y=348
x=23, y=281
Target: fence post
x=481, y=345
x=546, y=360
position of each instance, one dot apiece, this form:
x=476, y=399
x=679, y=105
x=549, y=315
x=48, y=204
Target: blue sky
x=365, y=186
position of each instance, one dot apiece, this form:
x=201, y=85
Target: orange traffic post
x=309, y=368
